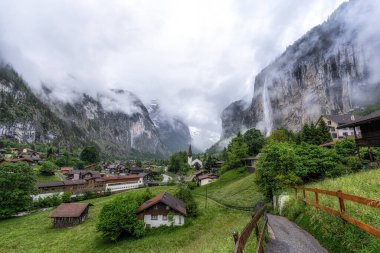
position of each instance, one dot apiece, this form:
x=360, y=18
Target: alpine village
x=117, y=135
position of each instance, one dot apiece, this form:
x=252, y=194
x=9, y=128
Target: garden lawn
x=235, y=187
x=210, y=232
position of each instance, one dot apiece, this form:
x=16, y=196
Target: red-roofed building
x=163, y=209
x=69, y=214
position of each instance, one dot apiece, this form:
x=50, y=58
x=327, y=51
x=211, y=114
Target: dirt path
x=287, y=237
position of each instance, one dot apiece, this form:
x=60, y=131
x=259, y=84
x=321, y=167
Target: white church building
x=193, y=163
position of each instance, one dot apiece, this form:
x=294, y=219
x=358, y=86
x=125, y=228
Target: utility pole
x=206, y=198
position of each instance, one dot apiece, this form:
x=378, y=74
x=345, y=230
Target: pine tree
x=324, y=132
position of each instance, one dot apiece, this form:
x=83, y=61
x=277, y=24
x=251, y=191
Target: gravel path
x=287, y=237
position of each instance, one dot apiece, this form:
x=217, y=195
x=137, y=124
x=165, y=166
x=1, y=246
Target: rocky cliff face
x=24, y=117
x=174, y=133
x=330, y=70
x=118, y=122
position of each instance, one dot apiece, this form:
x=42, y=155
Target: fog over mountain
x=195, y=57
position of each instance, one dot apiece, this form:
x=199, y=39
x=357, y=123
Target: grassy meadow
x=235, y=187
x=334, y=233
x=210, y=232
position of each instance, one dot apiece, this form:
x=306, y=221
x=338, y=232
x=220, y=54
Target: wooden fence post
x=304, y=193
x=235, y=235
x=316, y=199
x=341, y=202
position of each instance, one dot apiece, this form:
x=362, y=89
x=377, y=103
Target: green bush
x=183, y=193
x=118, y=218
x=345, y=147
x=354, y=163
x=48, y=168
x=16, y=185
x=66, y=197
x=282, y=165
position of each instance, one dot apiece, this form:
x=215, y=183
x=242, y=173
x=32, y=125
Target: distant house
x=250, y=162
x=334, y=122
x=203, y=177
x=66, y=170
x=29, y=154
x=69, y=214
x=121, y=183
x=156, y=211
x=136, y=170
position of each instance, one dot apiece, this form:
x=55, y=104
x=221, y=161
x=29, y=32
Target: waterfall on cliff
x=267, y=109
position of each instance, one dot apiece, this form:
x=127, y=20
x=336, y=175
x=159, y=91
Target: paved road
x=287, y=237
x=166, y=178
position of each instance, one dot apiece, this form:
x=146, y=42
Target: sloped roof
x=168, y=200
x=363, y=119
x=343, y=118
x=50, y=184
x=208, y=175
x=68, y=210
x=128, y=177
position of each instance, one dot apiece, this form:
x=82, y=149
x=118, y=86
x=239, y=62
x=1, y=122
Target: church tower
x=189, y=156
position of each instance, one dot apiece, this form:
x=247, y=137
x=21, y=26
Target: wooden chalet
x=370, y=130
x=69, y=214
x=155, y=211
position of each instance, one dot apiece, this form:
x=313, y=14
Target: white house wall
x=159, y=222
x=124, y=186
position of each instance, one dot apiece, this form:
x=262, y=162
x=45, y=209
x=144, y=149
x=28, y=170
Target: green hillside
x=334, y=233
x=210, y=232
x=235, y=187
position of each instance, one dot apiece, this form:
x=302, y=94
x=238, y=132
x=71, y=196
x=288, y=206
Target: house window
x=345, y=134
x=167, y=208
x=156, y=207
x=154, y=217
x=180, y=220
x=329, y=122
x=164, y=217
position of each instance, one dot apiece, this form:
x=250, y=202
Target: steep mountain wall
x=331, y=69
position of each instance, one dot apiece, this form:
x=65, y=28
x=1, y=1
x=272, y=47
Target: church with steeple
x=196, y=163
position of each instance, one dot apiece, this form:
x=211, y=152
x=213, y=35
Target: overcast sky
x=195, y=57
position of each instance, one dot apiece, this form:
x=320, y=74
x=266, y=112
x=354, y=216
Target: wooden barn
x=370, y=130
x=69, y=214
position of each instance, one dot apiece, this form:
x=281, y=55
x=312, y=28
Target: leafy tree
x=80, y=165
x=16, y=185
x=277, y=168
x=90, y=154
x=48, y=168
x=208, y=162
x=147, y=195
x=183, y=193
x=285, y=164
x=255, y=141
x=138, y=163
x=119, y=218
x=178, y=162
x=324, y=132
x=281, y=135
x=237, y=150
x=66, y=197
x=345, y=147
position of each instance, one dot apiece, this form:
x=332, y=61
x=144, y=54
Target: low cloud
x=195, y=57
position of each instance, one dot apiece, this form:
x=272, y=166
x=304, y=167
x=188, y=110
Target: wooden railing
x=242, y=238
x=342, y=209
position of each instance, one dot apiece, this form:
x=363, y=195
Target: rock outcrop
x=330, y=70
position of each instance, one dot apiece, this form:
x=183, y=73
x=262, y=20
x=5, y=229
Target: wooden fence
x=342, y=209
x=242, y=239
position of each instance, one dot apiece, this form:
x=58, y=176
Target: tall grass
x=334, y=233
x=235, y=187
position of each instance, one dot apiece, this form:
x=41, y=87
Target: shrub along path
x=290, y=238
